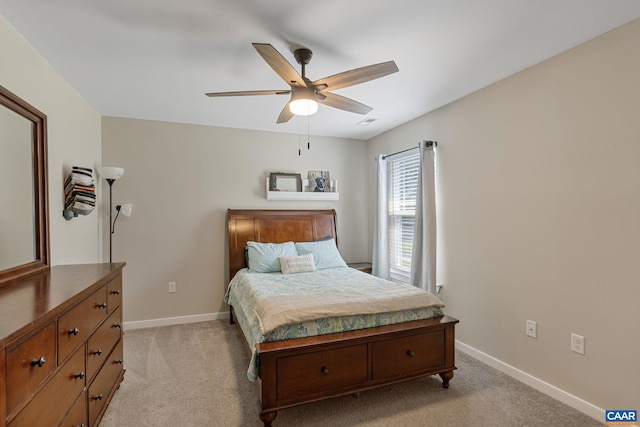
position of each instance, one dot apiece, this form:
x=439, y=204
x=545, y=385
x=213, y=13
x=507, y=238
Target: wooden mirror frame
x=40, y=188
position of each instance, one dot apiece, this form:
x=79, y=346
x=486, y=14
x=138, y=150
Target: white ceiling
x=155, y=59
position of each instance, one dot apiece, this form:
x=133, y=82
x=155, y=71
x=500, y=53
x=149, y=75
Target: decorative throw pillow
x=325, y=253
x=265, y=257
x=297, y=264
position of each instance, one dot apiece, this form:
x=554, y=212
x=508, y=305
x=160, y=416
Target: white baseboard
x=542, y=386
x=141, y=324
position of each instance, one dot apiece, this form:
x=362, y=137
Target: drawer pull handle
x=98, y=397
x=116, y=292
x=81, y=375
x=74, y=331
x=324, y=371
x=40, y=362
x=410, y=353
x=103, y=305
x=117, y=325
x=83, y=425
x=98, y=352
x=118, y=362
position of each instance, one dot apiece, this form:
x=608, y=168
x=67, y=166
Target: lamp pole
x=110, y=181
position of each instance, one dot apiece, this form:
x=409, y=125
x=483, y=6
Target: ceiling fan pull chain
x=299, y=138
x=308, y=137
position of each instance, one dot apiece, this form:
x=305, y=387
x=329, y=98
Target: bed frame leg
x=232, y=321
x=268, y=417
x=446, y=376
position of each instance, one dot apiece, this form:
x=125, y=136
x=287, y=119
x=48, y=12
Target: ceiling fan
x=306, y=94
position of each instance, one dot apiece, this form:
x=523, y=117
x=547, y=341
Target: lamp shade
x=110, y=172
x=126, y=209
x=303, y=101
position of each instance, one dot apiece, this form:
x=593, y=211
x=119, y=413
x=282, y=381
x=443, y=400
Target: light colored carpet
x=194, y=375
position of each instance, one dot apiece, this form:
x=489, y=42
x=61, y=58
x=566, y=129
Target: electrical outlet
x=577, y=343
x=172, y=287
x=532, y=329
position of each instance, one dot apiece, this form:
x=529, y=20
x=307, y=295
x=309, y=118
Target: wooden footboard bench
x=305, y=370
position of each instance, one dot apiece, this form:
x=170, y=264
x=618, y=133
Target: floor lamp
x=110, y=173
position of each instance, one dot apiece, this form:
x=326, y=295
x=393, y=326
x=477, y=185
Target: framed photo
x=319, y=181
x=279, y=181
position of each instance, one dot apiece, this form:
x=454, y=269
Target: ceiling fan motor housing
x=303, y=55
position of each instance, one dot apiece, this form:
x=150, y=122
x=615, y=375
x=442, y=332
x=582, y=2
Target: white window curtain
x=380, y=258
x=423, y=260
x=405, y=229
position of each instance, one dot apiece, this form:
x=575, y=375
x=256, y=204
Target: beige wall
x=73, y=139
x=539, y=216
x=183, y=178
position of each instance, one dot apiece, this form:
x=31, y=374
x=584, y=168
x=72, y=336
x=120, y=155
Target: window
x=403, y=187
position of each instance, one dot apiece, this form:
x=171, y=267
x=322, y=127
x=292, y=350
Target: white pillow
x=297, y=264
x=263, y=257
x=325, y=253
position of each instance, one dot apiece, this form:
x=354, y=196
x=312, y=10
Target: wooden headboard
x=275, y=226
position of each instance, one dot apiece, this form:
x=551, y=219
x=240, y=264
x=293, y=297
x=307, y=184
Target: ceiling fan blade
x=343, y=103
x=285, y=114
x=249, y=93
x=355, y=76
x=279, y=64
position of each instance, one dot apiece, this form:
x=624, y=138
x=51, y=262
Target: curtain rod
x=427, y=143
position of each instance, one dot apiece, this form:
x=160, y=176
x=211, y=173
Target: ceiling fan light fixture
x=303, y=102
x=303, y=107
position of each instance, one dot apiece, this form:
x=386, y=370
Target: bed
x=293, y=368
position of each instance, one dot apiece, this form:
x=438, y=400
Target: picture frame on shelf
x=286, y=182
x=319, y=181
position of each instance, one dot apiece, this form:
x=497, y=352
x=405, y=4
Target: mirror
x=24, y=218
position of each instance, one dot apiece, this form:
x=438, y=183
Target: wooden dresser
x=61, y=346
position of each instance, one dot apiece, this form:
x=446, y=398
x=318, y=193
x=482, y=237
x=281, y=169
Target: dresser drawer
x=77, y=416
x=408, y=355
x=29, y=364
x=3, y=386
x=100, y=389
x=102, y=342
x=320, y=373
x=55, y=399
x=114, y=293
x=76, y=326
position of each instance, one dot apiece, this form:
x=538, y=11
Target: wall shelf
x=304, y=195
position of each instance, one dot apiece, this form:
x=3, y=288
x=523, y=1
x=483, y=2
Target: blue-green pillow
x=325, y=253
x=265, y=257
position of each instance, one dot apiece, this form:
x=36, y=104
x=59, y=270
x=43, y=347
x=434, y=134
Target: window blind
x=403, y=187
